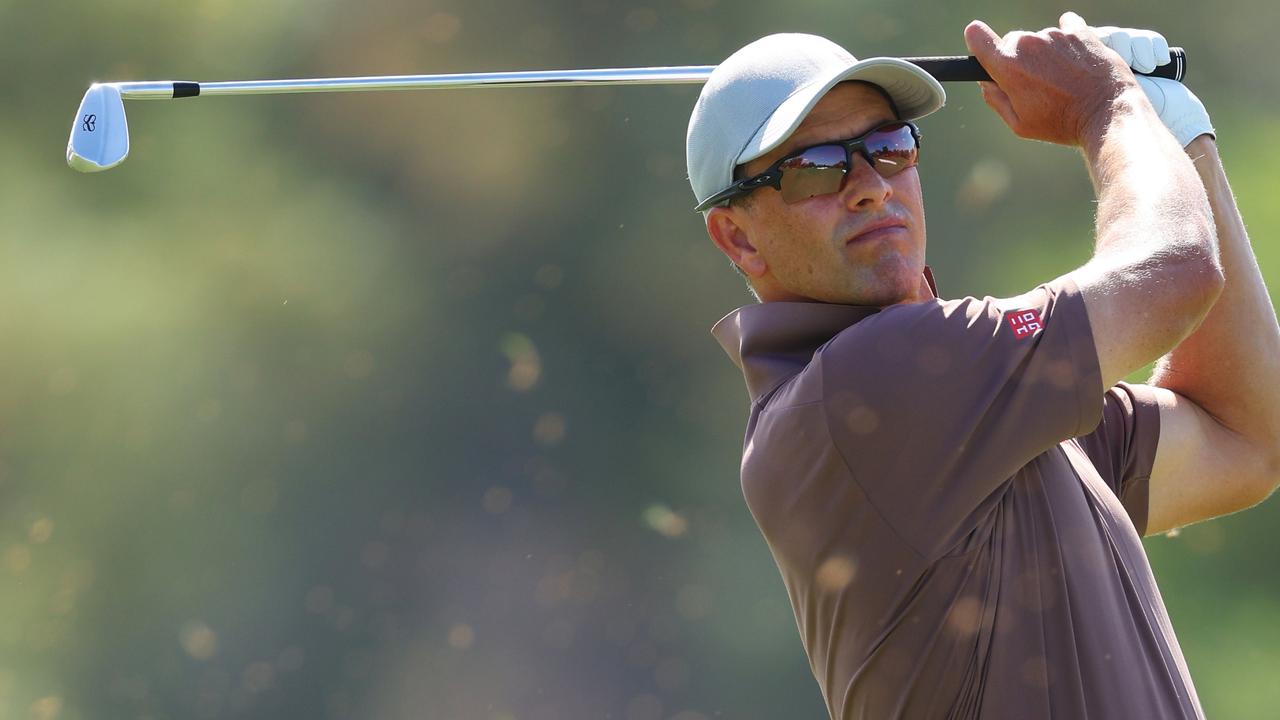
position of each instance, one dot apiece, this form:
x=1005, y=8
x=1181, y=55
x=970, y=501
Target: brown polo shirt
x=955, y=508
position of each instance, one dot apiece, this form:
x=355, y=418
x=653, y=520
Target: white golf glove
x=1179, y=109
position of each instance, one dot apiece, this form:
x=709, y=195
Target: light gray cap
x=759, y=95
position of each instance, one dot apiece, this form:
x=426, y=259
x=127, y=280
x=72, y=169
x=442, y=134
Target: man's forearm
x=1230, y=366
x=1146, y=187
x=1154, y=273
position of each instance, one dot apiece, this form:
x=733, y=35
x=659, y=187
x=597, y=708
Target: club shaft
x=946, y=69
x=691, y=74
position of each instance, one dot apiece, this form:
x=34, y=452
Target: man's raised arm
x=1219, y=446
x=1154, y=274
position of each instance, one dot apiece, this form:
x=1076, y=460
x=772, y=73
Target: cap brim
x=914, y=91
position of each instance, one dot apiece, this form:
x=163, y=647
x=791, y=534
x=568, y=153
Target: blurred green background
x=405, y=405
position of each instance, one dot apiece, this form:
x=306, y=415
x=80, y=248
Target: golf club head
x=100, y=134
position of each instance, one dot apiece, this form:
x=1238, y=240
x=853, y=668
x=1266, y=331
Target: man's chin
x=903, y=287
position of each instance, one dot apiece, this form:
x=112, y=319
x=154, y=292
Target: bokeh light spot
x=549, y=429
x=526, y=365
x=553, y=589
x=862, y=420
x=46, y=708
x=258, y=677
x=665, y=521
x=291, y=658
x=497, y=500
x=461, y=636
x=834, y=573
x=17, y=558
x=199, y=640
x=40, y=532
x=965, y=616
x=988, y=181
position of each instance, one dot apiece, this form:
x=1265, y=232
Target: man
x=954, y=490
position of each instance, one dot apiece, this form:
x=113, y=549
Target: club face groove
x=99, y=133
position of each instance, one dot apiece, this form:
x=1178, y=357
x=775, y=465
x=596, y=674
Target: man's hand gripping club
x=1179, y=109
x=1059, y=85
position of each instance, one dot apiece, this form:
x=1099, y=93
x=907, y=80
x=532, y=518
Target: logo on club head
x=90, y=121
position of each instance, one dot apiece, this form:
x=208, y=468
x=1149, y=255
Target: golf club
x=100, y=133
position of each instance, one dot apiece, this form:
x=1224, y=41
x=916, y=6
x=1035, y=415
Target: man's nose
x=864, y=187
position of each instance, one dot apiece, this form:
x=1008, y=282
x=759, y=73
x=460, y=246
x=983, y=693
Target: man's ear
x=728, y=228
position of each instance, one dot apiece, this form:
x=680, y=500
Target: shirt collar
x=770, y=342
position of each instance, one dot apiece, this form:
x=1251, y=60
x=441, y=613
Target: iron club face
x=100, y=134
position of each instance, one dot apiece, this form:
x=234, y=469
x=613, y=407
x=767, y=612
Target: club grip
x=967, y=69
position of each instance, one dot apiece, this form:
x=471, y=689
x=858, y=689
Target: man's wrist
x=1128, y=105
x=1200, y=145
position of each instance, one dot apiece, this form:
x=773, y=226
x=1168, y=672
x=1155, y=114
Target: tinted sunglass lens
x=892, y=150
x=816, y=171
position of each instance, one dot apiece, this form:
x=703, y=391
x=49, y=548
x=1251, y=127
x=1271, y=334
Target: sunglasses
x=821, y=169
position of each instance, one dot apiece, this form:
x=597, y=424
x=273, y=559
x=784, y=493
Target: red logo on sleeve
x=1025, y=323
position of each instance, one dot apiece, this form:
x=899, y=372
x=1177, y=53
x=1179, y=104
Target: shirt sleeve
x=1123, y=446
x=934, y=406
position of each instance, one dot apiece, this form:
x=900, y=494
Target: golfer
x=954, y=491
